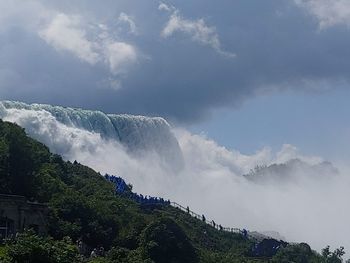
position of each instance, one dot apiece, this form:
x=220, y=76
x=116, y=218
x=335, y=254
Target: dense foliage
x=83, y=207
x=28, y=247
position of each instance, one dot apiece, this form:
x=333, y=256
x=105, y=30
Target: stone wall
x=17, y=214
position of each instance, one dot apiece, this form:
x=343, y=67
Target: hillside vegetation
x=84, y=208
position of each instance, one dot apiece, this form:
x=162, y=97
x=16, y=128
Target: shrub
x=30, y=248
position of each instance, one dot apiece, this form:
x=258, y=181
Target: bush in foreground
x=28, y=247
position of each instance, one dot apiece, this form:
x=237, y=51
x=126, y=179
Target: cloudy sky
x=248, y=73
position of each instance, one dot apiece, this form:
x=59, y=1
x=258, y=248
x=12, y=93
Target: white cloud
x=328, y=12
x=198, y=30
x=164, y=7
x=119, y=56
x=69, y=33
x=66, y=33
x=124, y=18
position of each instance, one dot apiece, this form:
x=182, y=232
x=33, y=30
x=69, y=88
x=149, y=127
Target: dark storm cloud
x=277, y=45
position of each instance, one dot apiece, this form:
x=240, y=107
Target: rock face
x=139, y=134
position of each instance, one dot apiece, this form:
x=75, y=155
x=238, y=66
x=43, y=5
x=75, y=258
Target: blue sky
x=317, y=124
x=248, y=73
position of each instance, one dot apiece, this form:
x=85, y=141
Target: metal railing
x=209, y=222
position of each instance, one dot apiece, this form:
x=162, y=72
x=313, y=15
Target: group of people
x=97, y=252
x=244, y=232
x=149, y=200
x=122, y=188
x=87, y=251
x=268, y=247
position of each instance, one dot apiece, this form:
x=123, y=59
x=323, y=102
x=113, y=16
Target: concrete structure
x=17, y=214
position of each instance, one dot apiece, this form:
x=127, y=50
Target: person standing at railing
x=245, y=233
x=203, y=218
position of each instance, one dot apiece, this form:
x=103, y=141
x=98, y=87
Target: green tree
x=298, y=253
x=30, y=248
x=335, y=256
x=165, y=242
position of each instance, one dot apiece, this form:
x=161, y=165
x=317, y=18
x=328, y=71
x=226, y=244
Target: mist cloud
x=308, y=208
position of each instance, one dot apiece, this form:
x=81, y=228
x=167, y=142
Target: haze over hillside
x=292, y=171
x=207, y=177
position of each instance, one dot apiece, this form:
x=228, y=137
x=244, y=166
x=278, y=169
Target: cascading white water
x=139, y=134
